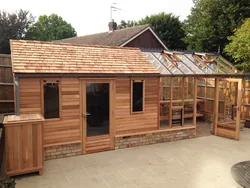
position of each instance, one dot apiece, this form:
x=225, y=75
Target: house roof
x=115, y=38
x=186, y=63
x=50, y=57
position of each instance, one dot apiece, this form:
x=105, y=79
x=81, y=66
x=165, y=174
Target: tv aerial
x=113, y=8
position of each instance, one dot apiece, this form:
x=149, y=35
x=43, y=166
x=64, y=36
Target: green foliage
x=168, y=27
x=125, y=24
x=212, y=21
x=13, y=26
x=239, y=46
x=8, y=183
x=51, y=27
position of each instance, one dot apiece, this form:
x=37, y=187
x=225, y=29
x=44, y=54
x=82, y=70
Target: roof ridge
x=73, y=44
x=117, y=30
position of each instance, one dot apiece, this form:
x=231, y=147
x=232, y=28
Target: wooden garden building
x=93, y=98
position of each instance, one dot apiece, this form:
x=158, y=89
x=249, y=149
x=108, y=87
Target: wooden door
x=97, y=114
x=231, y=92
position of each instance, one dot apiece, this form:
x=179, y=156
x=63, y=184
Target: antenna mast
x=113, y=8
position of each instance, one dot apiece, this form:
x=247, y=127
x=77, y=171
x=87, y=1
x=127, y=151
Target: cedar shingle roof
x=115, y=38
x=49, y=57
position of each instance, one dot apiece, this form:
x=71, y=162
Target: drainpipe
x=17, y=96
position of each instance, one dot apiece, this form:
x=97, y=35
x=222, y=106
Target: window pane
x=51, y=100
x=97, y=99
x=137, y=96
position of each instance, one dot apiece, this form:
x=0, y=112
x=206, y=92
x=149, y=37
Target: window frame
x=42, y=97
x=132, y=80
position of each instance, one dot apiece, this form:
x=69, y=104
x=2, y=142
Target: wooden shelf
x=5, y=66
x=6, y=101
x=179, y=101
x=177, y=107
x=173, y=86
x=178, y=116
x=6, y=84
x=202, y=85
x=209, y=99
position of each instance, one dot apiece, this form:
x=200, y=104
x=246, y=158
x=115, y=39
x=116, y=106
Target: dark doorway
x=97, y=99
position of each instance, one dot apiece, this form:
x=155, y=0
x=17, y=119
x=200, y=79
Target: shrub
x=9, y=183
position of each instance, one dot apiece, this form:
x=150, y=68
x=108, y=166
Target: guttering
x=36, y=75
x=56, y=75
x=206, y=75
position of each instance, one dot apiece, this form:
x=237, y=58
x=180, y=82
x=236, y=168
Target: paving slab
x=200, y=162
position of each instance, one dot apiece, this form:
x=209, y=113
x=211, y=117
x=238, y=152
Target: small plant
x=8, y=183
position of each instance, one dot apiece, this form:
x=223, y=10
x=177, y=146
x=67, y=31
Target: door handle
x=86, y=114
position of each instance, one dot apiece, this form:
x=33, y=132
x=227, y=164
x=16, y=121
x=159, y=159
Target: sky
x=93, y=16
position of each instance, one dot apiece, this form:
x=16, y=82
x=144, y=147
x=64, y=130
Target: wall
x=55, y=152
x=153, y=138
x=145, y=40
x=148, y=120
x=6, y=85
x=56, y=132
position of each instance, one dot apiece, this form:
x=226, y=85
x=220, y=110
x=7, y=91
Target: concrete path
x=203, y=162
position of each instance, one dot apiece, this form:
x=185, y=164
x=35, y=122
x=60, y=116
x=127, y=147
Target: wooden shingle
x=50, y=57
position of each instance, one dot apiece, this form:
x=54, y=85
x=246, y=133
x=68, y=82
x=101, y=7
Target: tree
x=239, y=46
x=212, y=21
x=13, y=26
x=51, y=27
x=168, y=27
x=125, y=24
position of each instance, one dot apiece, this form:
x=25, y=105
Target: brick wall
x=55, y=152
x=145, y=139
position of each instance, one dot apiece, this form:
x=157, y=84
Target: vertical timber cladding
x=147, y=120
x=6, y=85
x=57, y=132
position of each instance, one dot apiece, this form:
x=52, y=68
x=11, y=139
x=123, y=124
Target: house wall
x=57, y=131
x=145, y=40
x=126, y=121
x=62, y=137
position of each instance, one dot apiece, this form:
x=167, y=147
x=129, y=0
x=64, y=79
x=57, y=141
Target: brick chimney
x=112, y=26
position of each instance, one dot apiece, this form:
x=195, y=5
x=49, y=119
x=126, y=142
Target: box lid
x=23, y=118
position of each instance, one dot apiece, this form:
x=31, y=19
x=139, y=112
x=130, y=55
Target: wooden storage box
x=24, y=144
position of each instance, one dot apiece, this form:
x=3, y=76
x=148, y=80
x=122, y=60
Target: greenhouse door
x=231, y=91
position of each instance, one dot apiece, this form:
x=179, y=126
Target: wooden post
x=112, y=99
x=81, y=116
x=205, y=96
x=243, y=98
x=225, y=101
x=238, y=109
x=161, y=89
x=182, y=96
x=171, y=100
x=195, y=103
x=216, y=105
x=84, y=121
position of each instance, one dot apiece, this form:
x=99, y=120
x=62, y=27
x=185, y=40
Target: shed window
x=51, y=100
x=137, y=95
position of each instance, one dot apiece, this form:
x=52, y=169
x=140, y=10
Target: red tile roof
x=51, y=57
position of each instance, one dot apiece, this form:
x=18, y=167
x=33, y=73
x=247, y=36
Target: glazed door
x=97, y=109
x=97, y=115
x=228, y=93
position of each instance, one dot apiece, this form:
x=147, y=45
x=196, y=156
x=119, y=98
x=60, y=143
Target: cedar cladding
x=147, y=120
x=67, y=129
